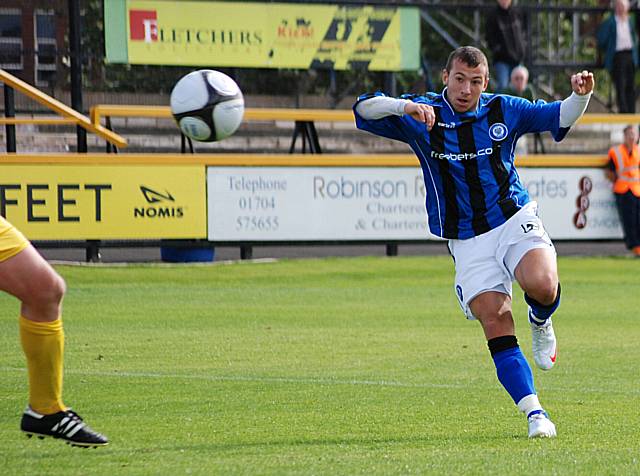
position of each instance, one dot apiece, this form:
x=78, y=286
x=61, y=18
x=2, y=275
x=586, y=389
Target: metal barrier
x=304, y=120
x=12, y=82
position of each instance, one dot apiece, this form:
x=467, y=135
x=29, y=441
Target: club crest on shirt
x=498, y=131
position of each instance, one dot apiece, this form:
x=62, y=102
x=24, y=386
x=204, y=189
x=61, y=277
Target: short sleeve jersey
x=467, y=159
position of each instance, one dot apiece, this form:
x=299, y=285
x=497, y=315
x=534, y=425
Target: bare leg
x=493, y=310
x=35, y=283
x=537, y=274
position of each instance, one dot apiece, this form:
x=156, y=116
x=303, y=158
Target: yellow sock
x=43, y=345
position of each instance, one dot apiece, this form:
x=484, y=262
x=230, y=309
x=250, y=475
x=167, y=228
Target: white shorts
x=488, y=262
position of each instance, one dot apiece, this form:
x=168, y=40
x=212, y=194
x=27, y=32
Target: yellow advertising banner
x=77, y=202
x=265, y=35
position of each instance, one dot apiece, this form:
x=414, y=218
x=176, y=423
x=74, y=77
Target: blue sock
x=541, y=313
x=512, y=368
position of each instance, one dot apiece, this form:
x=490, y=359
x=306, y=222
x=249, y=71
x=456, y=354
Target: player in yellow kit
x=26, y=275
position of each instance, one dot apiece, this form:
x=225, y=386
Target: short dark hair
x=469, y=55
x=629, y=127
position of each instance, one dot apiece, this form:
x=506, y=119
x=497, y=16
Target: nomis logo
x=154, y=199
x=449, y=125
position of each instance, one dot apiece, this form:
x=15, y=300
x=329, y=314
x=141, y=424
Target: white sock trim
x=529, y=403
x=534, y=318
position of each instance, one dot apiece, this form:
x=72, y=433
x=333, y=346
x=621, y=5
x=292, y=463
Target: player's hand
x=582, y=83
x=421, y=113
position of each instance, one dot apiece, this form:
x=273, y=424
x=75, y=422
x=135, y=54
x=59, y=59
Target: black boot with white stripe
x=66, y=425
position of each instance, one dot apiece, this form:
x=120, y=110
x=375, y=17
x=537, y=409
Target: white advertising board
x=305, y=203
x=375, y=203
x=574, y=204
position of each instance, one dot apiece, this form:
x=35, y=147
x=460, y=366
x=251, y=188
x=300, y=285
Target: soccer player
x=27, y=276
x=464, y=140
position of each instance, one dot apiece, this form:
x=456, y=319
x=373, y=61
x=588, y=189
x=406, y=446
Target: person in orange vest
x=624, y=172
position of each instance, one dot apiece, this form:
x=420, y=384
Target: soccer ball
x=207, y=105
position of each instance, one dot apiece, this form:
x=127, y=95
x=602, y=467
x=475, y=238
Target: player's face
x=465, y=84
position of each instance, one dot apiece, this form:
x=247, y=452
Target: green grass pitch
x=332, y=366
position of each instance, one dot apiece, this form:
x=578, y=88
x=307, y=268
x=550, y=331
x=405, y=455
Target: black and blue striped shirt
x=467, y=159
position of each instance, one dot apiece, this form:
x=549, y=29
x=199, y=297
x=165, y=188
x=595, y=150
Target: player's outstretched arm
x=381, y=106
x=574, y=106
x=377, y=107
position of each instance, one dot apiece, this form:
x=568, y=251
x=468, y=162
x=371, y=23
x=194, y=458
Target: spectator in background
x=505, y=37
x=624, y=172
x=618, y=41
x=520, y=87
